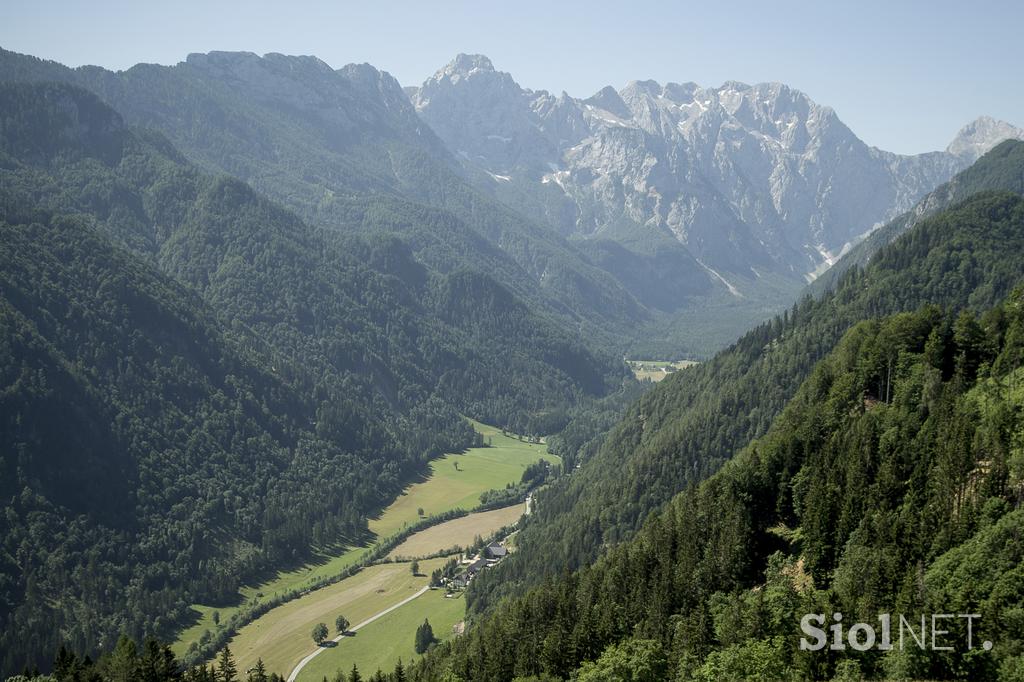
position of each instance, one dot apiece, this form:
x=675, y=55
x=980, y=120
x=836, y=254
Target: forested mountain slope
x=147, y=459
x=966, y=257
x=346, y=151
x=198, y=385
x=336, y=304
x=892, y=482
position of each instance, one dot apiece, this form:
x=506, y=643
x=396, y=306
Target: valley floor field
x=656, y=370
x=386, y=640
x=325, y=565
x=461, y=532
x=282, y=636
x=457, y=480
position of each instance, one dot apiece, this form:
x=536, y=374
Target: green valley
x=899, y=443
x=461, y=532
x=890, y=483
x=266, y=386
x=312, y=372
x=455, y=482
x=282, y=636
x=380, y=645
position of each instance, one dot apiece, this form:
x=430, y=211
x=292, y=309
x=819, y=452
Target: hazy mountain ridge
x=748, y=177
x=656, y=208
x=337, y=146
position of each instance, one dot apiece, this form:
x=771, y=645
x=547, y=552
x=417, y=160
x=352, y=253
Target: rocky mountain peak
x=608, y=99
x=680, y=93
x=467, y=79
x=218, y=58
x=650, y=88
x=737, y=86
x=357, y=101
x=749, y=178
x=369, y=80
x=249, y=66
x=980, y=135
x=465, y=66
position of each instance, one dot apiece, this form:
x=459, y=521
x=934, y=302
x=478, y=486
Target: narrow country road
x=302, y=664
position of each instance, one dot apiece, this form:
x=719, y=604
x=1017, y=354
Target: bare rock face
x=748, y=178
x=980, y=135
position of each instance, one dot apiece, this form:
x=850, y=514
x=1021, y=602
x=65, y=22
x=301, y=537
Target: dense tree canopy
x=196, y=385
x=695, y=420
x=890, y=483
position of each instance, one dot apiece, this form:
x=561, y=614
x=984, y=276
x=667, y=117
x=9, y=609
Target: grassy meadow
x=282, y=637
x=381, y=643
x=322, y=566
x=462, y=532
x=445, y=487
x=457, y=480
x=656, y=370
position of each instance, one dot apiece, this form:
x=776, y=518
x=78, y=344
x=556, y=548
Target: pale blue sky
x=905, y=76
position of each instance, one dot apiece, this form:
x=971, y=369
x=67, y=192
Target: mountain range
x=345, y=150
x=751, y=179
x=638, y=215
x=195, y=377
x=245, y=300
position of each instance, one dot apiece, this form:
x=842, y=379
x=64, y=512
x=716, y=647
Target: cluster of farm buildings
x=471, y=566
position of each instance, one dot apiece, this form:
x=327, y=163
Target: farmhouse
x=476, y=565
x=489, y=556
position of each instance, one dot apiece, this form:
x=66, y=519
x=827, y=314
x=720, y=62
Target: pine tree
x=226, y=670
x=424, y=637
x=158, y=663
x=66, y=664
x=354, y=676
x=259, y=672
x=122, y=665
